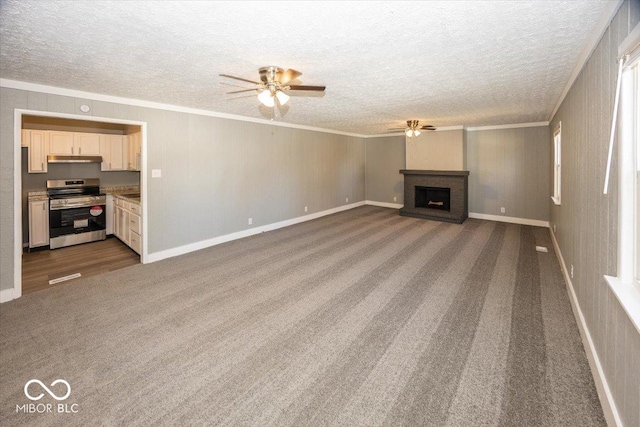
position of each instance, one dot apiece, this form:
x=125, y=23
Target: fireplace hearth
x=436, y=195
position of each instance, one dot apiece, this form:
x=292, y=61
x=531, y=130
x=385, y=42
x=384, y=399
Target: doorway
x=41, y=138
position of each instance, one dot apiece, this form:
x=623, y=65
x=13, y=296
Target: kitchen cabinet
x=38, y=223
x=114, y=151
x=61, y=143
x=24, y=140
x=37, y=142
x=111, y=220
x=74, y=143
x=128, y=223
x=86, y=144
x=135, y=148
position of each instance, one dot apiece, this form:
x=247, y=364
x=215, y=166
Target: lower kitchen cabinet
x=128, y=223
x=38, y=223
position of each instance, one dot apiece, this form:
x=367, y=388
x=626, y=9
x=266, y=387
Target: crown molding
x=602, y=26
x=511, y=126
x=53, y=90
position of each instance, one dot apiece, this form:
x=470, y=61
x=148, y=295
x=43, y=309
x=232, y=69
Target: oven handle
x=71, y=206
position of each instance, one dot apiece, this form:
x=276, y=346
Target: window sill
x=555, y=201
x=629, y=297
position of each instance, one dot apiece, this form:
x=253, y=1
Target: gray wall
x=384, y=158
x=216, y=173
x=587, y=220
x=509, y=168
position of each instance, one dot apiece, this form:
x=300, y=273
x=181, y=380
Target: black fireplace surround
x=436, y=195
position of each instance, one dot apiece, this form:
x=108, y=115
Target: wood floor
x=88, y=259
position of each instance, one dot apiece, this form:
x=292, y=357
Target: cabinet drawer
x=126, y=205
x=134, y=224
x=136, y=242
x=135, y=209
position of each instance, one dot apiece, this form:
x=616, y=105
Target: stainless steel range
x=77, y=212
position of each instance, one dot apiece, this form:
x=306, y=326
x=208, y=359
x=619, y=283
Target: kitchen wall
x=587, y=221
x=509, y=168
x=216, y=173
x=439, y=150
x=385, y=156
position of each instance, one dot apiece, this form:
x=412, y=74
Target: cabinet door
x=86, y=144
x=123, y=225
x=112, y=152
x=38, y=150
x=135, y=145
x=24, y=140
x=38, y=223
x=61, y=143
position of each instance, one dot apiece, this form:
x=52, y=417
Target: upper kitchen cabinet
x=37, y=142
x=135, y=148
x=86, y=144
x=74, y=143
x=61, y=143
x=114, y=152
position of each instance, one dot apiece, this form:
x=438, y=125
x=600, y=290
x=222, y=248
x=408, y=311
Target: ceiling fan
x=274, y=85
x=413, y=128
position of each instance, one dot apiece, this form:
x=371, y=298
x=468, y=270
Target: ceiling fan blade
x=238, y=78
x=397, y=129
x=305, y=87
x=289, y=75
x=240, y=91
x=427, y=127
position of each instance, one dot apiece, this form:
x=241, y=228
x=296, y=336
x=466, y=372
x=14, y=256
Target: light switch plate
x=156, y=173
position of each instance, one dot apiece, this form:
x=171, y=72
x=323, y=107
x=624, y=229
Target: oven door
x=70, y=226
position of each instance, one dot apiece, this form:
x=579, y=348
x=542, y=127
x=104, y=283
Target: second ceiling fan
x=274, y=84
x=413, y=128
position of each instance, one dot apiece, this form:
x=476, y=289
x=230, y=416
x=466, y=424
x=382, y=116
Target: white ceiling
x=447, y=63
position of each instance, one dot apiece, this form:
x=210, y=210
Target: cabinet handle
x=41, y=165
x=72, y=150
x=43, y=206
x=109, y=165
x=80, y=150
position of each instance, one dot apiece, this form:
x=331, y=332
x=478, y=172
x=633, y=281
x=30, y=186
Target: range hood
x=74, y=159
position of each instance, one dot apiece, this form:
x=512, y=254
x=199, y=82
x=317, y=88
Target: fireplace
x=433, y=198
x=436, y=195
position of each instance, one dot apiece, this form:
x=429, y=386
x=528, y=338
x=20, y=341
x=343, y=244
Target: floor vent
x=541, y=249
x=64, y=278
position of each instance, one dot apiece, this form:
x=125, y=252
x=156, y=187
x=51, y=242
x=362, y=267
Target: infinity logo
x=52, y=394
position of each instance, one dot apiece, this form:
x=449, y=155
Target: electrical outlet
x=395, y=199
x=554, y=228
x=572, y=271
x=156, y=173
x=250, y=221
x=502, y=210
x=305, y=208
x=347, y=200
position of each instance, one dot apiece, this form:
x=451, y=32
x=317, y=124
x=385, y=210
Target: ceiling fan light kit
x=274, y=84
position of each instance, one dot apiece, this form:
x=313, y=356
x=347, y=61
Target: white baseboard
x=181, y=250
x=6, y=295
x=384, y=204
x=510, y=219
x=604, y=392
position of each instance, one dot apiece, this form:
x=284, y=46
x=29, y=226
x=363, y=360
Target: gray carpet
x=360, y=318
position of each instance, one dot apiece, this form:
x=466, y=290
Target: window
x=626, y=285
x=557, y=167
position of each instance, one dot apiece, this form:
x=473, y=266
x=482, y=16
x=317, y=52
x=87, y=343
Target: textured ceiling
x=446, y=63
